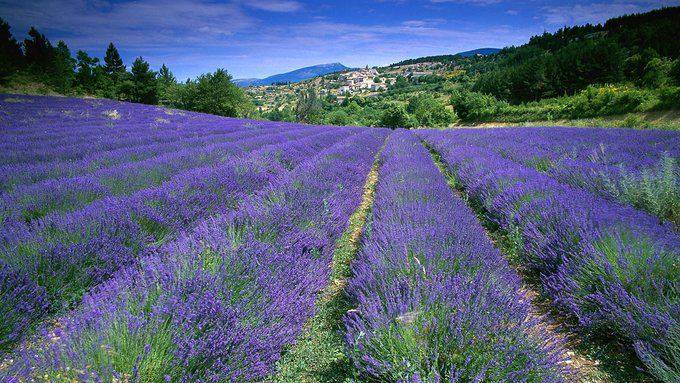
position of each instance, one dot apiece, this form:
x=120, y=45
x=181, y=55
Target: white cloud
x=142, y=23
x=275, y=5
x=593, y=13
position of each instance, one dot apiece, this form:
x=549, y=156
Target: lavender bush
x=220, y=303
x=638, y=168
x=611, y=267
x=53, y=260
x=435, y=301
x=140, y=244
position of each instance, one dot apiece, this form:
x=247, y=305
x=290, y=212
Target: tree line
x=36, y=59
x=641, y=49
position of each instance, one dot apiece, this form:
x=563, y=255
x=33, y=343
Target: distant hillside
x=480, y=51
x=449, y=58
x=638, y=49
x=293, y=76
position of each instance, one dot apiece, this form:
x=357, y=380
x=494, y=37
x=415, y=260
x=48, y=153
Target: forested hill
x=449, y=58
x=627, y=68
x=626, y=48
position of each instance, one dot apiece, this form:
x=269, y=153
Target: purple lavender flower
x=435, y=301
x=610, y=266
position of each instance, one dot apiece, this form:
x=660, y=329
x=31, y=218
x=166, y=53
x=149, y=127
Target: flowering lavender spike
x=435, y=301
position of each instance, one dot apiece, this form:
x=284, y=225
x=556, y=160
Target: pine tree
x=51, y=65
x=165, y=75
x=38, y=51
x=11, y=56
x=168, y=89
x=63, y=68
x=113, y=63
x=86, y=75
x=140, y=84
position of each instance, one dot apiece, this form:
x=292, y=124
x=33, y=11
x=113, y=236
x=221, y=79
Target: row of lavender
x=613, y=268
x=70, y=253
x=46, y=138
x=48, y=263
x=435, y=301
x=640, y=168
x=49, y=128
x=27, y=173
x=218, y=304
x=31, y=202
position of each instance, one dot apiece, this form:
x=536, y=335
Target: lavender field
x=144, y=244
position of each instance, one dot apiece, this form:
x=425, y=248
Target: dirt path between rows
x=318, y=355
x=582, y=369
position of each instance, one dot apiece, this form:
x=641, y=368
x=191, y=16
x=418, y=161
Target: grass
x=664, y=120
x=597, y=360
x=318, y=355
x=141, y=353
x=655, y=190
x=22, y=83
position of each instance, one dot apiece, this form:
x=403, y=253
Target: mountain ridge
x=296, y=75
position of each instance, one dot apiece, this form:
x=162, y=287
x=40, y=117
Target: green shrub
x=338, y=117
x=669, y=98
x=594, y=101
x=395, y=116
x=655, y=190
x=635, y=121
x=606, y=100
x=471, y=106
x=429, y=111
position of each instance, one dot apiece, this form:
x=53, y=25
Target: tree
x=634, y=65
x=428, y=111
x=10, y=52
x=38, y=51
x=140, y=85
x=401, y=82
x=284, y=114
x=471, y=106
x=164, y=75
x=63, y=68
x=168, y=91
x=308, y=108
x=582, y=63
x=86, y=73
x=395, y=117
x=113, y=64
x=50, y=65
x=338, y=117
x=674, y=72
x=214, y=93
x=656, y=72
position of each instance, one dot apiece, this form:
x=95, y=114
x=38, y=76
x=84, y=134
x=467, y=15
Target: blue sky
x=256, y=38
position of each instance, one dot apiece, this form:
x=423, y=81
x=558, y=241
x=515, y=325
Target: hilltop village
x=338, y=86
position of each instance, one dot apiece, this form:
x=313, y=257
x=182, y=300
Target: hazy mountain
x=293, y=76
